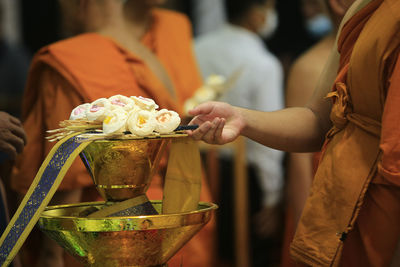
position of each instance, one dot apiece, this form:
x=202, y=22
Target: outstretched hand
x=219, y=123
x=12, y=135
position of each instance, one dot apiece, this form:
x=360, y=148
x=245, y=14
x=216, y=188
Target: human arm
x=292, y=129
x=297, y=129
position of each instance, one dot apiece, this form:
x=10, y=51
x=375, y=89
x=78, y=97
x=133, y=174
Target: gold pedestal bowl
x=122, y=169
x=136, y=241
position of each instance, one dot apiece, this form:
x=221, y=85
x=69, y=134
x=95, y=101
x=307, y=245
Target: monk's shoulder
x=169, y=18
x=304, y=74
x=312, y=61
x=90, y=54
x=84, y=45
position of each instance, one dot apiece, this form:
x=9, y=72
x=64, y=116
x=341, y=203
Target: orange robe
x=352, y=216
x=90, y=66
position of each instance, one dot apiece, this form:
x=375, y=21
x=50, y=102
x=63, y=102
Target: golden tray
x=140, y=241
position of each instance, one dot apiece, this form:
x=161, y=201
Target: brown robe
x=352, y=215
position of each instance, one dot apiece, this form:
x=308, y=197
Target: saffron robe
x=90, y=66
x=352, y=215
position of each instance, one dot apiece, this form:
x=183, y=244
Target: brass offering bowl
x=122, y=241
x=122, y=169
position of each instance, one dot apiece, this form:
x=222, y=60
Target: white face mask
x=270, y=24
x=319, y=25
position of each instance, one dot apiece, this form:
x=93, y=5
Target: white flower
x=141, y=123
x=115, y=121
x=167, y=121
x=98, y=109
x=145, y=103
x=79, y=112
x=122, y=101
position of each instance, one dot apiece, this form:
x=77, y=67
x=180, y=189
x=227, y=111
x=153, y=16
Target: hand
x=12, y=135
x=219, y=123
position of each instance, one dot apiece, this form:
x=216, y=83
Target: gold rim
x=56, y=218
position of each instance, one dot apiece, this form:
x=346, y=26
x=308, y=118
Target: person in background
x=126, y=47
x=302, y=80
x=239, y=45
x=352, y=215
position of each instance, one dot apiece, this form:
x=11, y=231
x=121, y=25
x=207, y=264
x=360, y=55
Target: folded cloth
x=183, y=178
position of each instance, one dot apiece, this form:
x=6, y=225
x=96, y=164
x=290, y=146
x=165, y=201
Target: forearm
x=292, y=129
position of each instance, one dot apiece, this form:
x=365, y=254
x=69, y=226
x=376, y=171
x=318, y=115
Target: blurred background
x=26, y=26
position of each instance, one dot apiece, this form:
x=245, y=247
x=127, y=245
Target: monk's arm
x=297, y=129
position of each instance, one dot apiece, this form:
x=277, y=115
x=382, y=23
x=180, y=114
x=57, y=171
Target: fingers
x=13, y=125
x=201, y=131
x=18, y=132
x=218, y=132
x=204, y=108
x=196, y=121
x=5, y=118
x=17, y=143
x=210, y=132
x=12, y=135
x=12, y=138
x=209, y=136
x=15, y=121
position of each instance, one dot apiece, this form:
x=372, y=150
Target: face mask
x=319, y=26
x=270, y=24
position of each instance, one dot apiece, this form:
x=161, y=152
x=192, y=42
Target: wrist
x=240, y=116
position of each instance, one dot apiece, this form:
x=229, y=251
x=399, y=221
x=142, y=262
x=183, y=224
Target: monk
x=122, y=47
x=302, y=80
x=352, y=215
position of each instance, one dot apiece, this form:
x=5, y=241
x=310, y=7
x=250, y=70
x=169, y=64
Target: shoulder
x=311, y=63
x=304, y=74
x=83, y=53
x=170, y=15
x=169, y=18
x=88, y=61
x=89, y=44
